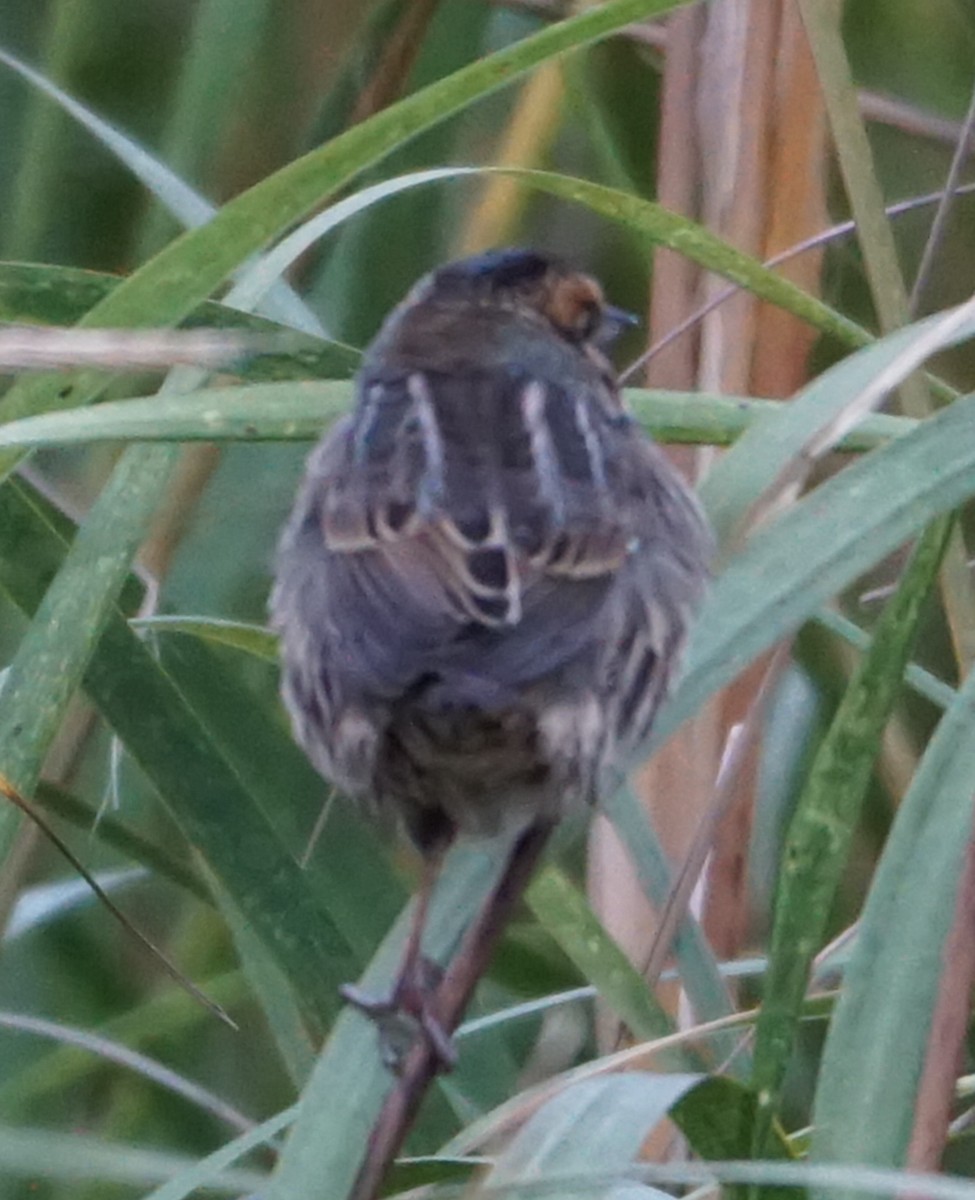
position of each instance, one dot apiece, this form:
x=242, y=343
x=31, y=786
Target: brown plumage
x=485, y=585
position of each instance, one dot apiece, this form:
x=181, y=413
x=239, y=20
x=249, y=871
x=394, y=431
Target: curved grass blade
x=182, y=202
x=32, y=1154
x=821, y=833
x=149, y=1068
x=50, y=660
x=251, y=639
x=667, y=228
x=36, y=293
x=202, y=786
x=300, y=410
x=169, y=1013
x=790, y=568
x=596, y=1126
x=647, y=218
x=878, y=1037
x=170, y=286
x=822, y=413
x=45, y=903
x=563, y=911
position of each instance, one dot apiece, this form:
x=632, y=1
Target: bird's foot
x=407, y=1014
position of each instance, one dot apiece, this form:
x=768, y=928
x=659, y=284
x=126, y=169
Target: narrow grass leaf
x=183, y=274
x=878, y=1037
x=148, y=708
x=562, y=910
x=596, y=1126
x=181, y=201
x=699, y=971
x=420, y=1171
x=790, y=568
x=50, y=660
x=301, y=410
x=653, y=221
x=256, y=640
x=796, y=431
x=46, y=903
x=209, y=1170
x=37, y=293
x=821, y=833
x=32, y=1154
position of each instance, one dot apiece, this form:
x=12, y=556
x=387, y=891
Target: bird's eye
x=588, y=320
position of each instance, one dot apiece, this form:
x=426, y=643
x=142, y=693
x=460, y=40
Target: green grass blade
x=791, y=567
x=47, y=295
x=208, y=1171
x=698, y=968
x=205, y=791
x=51, y=658
x=182, y=275
x=825, y=822
x=300, y=410
x=878, y=1037
x=760, y=457
x=597, y=1126
x=32, y=1154
x=562, y=910
x=256, y=640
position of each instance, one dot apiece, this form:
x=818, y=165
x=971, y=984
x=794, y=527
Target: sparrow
x=485, y=585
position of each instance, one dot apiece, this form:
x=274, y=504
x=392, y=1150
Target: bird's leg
x=408, y=1004
x=453, y=992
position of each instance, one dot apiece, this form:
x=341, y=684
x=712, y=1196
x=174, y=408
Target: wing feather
x=469, y=522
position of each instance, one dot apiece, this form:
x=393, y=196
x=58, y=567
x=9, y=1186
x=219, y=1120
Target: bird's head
x=528, y=281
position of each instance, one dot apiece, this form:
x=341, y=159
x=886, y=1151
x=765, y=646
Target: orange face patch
x=574, y=304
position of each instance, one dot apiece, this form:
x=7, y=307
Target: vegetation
x=346, y=150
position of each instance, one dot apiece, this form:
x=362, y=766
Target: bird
x=487, y=580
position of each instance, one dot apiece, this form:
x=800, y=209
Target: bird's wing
x=506, y=477
x=474, y=520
